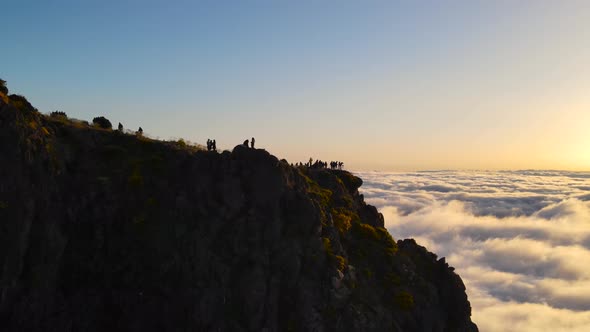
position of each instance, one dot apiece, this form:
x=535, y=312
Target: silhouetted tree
x=120, y=127
x=3, y=87
x=57, y=114
x=102, y=122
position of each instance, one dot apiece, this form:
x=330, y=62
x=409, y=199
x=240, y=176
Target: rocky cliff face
x=101, y=231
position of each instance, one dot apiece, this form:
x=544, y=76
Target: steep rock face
x=101, y=231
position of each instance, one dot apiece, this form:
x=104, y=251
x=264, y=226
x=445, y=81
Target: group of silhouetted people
x=336, y=164
x=211, y=145
x=120, y=128
x=251, y=142
x=321, y=164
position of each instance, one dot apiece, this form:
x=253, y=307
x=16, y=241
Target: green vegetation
x=102, y=122
x=336, y=260
x=33, y=125
x=321, y=194
x=378, y=236
x=404, y=300
x=58, y=114
x=184, y=145
x=181, y=143
x=350, y=181
x=370, y=249
x=3, y=87
x=340, y=262
x=366, y=231
x=21, y=103
x=343, y=219
x=327, y=245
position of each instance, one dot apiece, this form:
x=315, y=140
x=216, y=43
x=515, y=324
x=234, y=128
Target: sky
x=379, y=85
x=520, y=240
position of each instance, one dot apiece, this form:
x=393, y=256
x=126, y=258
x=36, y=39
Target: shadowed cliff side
x=102, y=231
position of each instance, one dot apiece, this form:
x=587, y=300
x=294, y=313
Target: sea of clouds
x=520, y=240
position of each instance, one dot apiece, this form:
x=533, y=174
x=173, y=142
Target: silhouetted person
x=120, y=127
x=252, y=142
x=140, y=131
x=208, y=144
x=246, y=143
x=213, y=145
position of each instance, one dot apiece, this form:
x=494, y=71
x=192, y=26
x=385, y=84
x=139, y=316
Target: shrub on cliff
x=338, y=261
x=323, y=195
x=102, y=122
x=351, y=182
x=343, y=219
x=58, y=114
x=372, y=239
x=3, y=87
x=404, y=300
x=181, y=143
x=21, y=103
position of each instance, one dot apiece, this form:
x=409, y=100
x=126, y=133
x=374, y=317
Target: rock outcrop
x=102, y=231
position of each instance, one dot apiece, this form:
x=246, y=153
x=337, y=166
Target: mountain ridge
x=107, y=231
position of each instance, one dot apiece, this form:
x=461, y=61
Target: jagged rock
x=101, y=231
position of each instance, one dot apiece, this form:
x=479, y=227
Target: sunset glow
x=467, y=123
x=390, y=86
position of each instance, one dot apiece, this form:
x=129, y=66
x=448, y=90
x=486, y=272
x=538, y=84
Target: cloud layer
x=520, y=240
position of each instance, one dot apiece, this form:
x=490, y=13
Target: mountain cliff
x=104, y=231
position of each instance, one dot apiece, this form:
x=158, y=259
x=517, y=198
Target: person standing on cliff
x=252, y=142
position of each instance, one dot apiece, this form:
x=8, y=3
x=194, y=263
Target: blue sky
x=377, y=84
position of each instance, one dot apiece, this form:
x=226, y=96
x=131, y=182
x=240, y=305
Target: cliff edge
x=103, y=231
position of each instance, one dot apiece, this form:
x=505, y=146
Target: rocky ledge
x=102, y=231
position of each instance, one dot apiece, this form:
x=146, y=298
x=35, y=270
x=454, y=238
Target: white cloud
x=527, y=317
x=520, y=240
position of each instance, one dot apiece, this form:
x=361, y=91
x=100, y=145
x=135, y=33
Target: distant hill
x=106, y=231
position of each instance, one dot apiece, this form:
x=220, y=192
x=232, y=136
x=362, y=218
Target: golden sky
x=379, y=85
